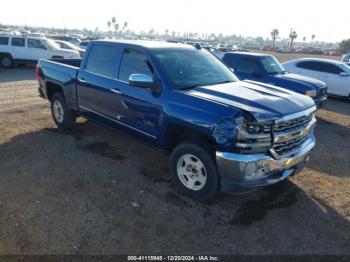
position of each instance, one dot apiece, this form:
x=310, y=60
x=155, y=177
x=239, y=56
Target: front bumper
x=319, y=101
x=243, y=172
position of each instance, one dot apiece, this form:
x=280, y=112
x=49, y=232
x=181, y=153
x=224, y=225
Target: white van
x=24, y=49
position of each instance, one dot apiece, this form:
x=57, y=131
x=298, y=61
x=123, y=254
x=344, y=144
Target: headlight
x=252, y=136
x=245, y=136
x=311, y=93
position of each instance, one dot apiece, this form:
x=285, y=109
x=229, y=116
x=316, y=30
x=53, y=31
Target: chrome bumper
x=241, y=172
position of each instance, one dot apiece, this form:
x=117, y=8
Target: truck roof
x=248, y=54
x=147, y=44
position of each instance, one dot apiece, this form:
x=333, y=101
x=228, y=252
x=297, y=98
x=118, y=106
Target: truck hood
x=263, y=101
x=300, y=79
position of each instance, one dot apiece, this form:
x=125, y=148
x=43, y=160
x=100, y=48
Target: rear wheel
x=193, y=171
x=64, y=117
x=6, y=61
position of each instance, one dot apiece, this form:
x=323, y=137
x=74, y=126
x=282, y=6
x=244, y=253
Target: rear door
x=97, y=87
x=309, y=68
x=19, y=50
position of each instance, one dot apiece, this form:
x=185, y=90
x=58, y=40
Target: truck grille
x=292, y=124
x=286, y=147
x=290, y=134
x=322, y=91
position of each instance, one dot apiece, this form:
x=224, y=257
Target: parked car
x=346, y=59
x=183, y=100
x=266, y=68
x=83, y=44
x=21, y=49
x=335, y=74
x=70, y=46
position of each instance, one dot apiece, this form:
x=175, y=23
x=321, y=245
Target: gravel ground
x=91, y=191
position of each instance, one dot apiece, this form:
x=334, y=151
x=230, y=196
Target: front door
x=140, y=108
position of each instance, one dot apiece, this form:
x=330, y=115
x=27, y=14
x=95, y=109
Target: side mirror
x=343, y=74
x=143, y=81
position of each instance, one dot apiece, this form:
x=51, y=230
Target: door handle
x=116, y=91
x=82, y=80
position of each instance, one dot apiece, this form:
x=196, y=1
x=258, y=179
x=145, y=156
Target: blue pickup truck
x=221, y=133
x=266, y=69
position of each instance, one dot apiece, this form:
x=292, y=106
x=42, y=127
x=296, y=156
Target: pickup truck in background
x=28, y=50
x=221, y=133
x=266, y=69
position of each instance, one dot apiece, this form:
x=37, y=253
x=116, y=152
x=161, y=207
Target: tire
x=63, y=117
x=189, y=178
x=6, y=61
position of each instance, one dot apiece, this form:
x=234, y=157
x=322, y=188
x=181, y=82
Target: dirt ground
x=91, y=191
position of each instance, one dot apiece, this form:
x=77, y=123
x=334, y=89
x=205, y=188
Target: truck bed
x=63, y=73
x=71, y=62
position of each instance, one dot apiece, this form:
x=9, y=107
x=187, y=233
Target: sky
x=328, y=20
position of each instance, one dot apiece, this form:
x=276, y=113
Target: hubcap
x=58, y=111
x=191, y=172
x=6, y=62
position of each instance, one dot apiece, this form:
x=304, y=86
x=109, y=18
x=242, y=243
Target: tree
x=109, y=26
x=274, y=35
x=116, y=28
x=344, y=46
x=125, y=25
x=113, y=21
x=304, y=38
x=166, y=31
x=292, y=36
x=313, y=38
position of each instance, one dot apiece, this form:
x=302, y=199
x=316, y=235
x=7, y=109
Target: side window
x=315, y=66
x=4, y=40
x=133, y=62
x=246, y=66
x=102, y=60
x=18, y=42
x=331, y=69
x=229, y=60
x=34, y=43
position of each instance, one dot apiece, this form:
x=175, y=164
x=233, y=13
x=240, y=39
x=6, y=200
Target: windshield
x=272, y=66
x=51, y=44
x=190, y=68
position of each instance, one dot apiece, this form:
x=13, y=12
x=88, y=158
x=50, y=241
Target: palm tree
x=116, y=27
x=304, y=38
x=125, y=25
x=166, y=31
x=292, y=36
x=109, y=26
x=312, y=38
x=274, y=35
x=113, y=20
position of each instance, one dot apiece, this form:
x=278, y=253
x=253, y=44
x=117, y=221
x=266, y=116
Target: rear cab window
x=17, y=41
x=4, y=40
x=102, y=60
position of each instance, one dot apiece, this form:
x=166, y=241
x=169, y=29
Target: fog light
x=250, y=169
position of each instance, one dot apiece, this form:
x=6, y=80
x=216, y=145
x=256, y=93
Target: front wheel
x=193, y=171
x=64, y=117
